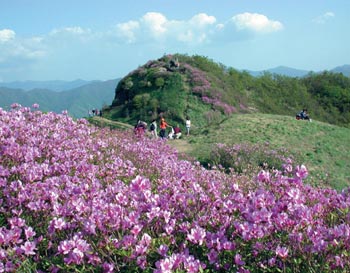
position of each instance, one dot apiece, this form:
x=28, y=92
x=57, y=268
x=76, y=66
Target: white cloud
x=323, y=18
x=200, y=28
x=75, y=30
x=6, y=35
x=155, y=27
x=202, y=20
x=155, y=23
x=13, y=48
x=256, y=22
x=128, y=30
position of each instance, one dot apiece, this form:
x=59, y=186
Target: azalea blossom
x=29, y=248
x=197, y=235
x=101, y=199
x=282, y=252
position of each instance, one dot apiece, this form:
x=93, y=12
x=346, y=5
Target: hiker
x=171, y=134
x=174, y=63
x=163, y=125
x=177, y=132
x=188, y=125
x=153, y=129
x=303, y=115
x=140, y=128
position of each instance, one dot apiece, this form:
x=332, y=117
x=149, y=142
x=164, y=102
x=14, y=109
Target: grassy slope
x=323, y=148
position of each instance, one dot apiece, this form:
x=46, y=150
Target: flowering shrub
x=248, y=158
x=202, y=87
x=75, y=198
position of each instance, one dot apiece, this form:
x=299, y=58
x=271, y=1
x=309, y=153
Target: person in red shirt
x=177, y=132
x=163, y=125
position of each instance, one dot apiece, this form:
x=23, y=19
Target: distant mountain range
x=77, y=101
x=57, y=86
x=292, y=72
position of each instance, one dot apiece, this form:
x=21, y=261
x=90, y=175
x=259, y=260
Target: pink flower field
x=77, y=198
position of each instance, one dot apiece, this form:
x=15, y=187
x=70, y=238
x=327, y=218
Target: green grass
x=322, y=147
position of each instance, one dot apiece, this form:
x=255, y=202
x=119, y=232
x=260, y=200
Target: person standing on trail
x=188, y=125
x=163, y=125
x=153, y=129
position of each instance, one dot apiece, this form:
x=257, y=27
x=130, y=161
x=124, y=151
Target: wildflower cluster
x=202, y=87
x=75, y=198
x=248, y=158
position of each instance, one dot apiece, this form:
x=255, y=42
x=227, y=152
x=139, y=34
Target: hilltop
x=177, y=86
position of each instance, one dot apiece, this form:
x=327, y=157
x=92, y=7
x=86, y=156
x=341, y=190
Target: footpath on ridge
x=181, y=145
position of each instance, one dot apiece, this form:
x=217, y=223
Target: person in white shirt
x=153, y=129
x=188, y=125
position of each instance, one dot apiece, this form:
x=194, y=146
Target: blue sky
x=106, y=39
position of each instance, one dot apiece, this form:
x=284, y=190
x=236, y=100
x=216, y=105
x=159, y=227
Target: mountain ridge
x=294, y=72
x=54, y=85
x=77, y=101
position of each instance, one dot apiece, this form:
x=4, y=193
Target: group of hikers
x=95, y=112
x=303, y=115
x=173, y=132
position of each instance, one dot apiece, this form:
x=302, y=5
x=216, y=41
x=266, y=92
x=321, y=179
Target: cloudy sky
x=106, y=39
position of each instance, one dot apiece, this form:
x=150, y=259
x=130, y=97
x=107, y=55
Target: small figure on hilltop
x=153, y=129
x=303, y=115
x=188, y=125
x=174, y=63
x=163, y=125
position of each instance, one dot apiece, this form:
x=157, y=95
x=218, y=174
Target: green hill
x=233, y=107
x=322, y=147
x=179, y=85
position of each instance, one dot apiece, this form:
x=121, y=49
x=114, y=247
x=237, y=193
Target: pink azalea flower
x=282, y=252
x=108, y=268
x=29, y=232
x=163, y=249
x=238, y=260
x=264, y=176
x=65, y=247
x=197, y=235
x=166, y=266
x=301, y=172
x=213, y=256
x=29, y=248
x=59, y=223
